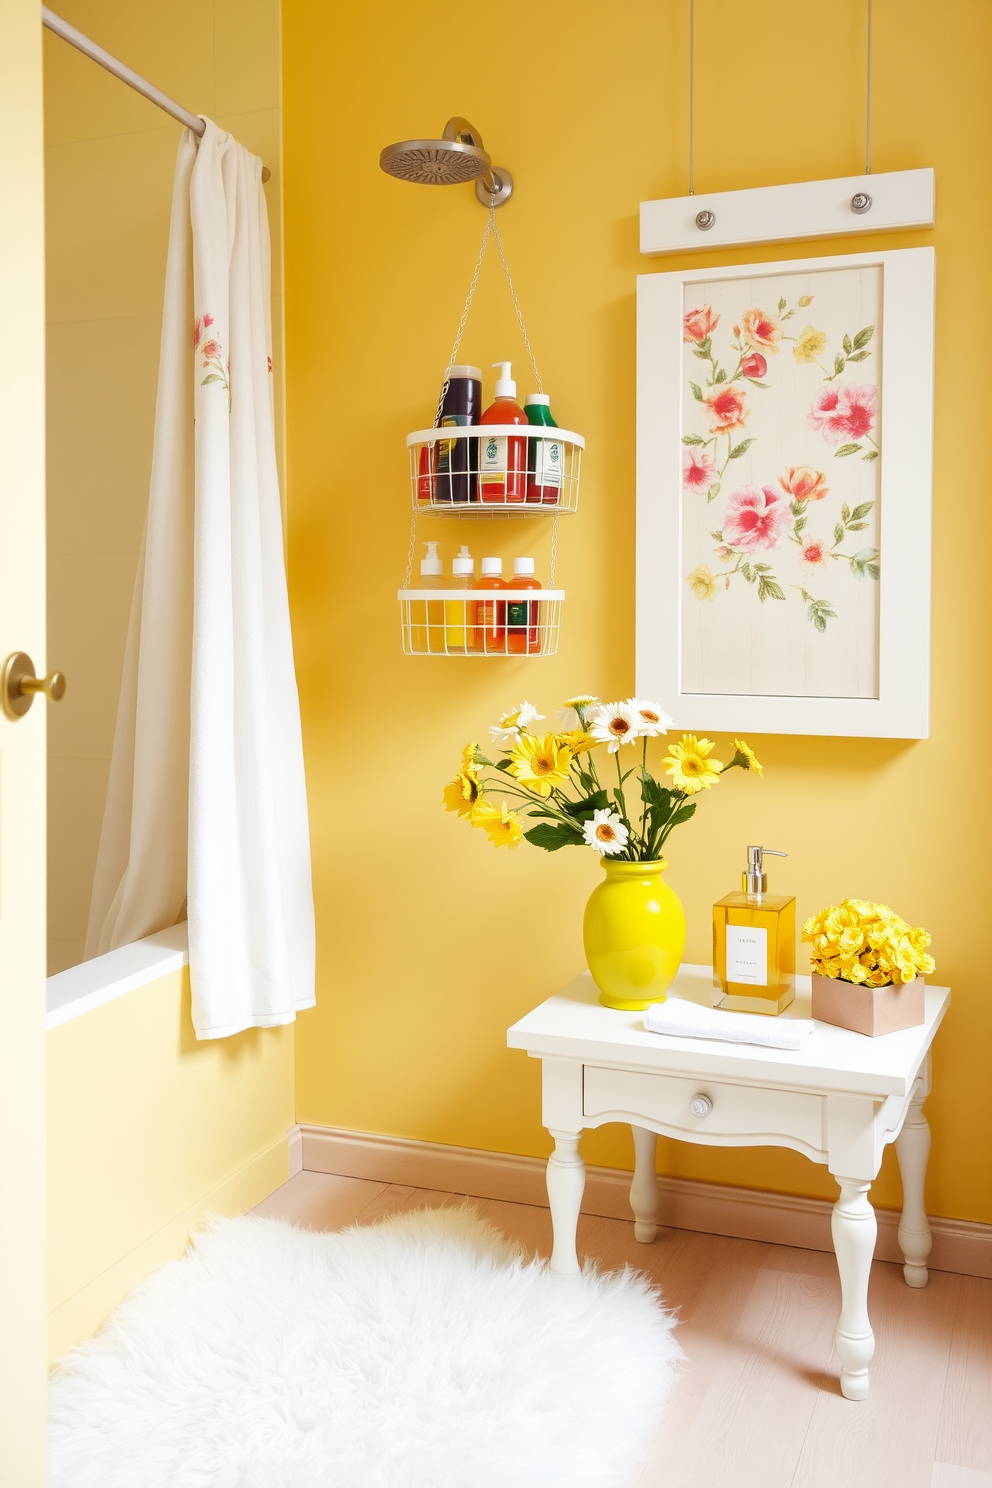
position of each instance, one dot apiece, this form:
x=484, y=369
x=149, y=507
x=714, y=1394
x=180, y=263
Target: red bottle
x=489, y=634
x=503, y=457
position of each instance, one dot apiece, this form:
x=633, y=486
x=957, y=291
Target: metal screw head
x=700, y=1105
x=860, y=202
x=705, y=220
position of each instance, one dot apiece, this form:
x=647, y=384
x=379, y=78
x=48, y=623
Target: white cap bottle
x=492, y=568
x=462, y=569
x=523, y=568
x=431, y=569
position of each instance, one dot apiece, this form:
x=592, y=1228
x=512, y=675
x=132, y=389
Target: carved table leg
x=913, y=1149
x=644, y=1188
x=854, y=1229
x=566, y=1184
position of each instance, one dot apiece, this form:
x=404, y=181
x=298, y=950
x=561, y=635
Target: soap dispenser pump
x=754, y=943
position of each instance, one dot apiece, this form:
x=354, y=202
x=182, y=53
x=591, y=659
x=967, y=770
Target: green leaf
x=845, y=512
x=866, y=555
x=746, y=570
x=762, y=568
x=713, y=493
x=769, y=588
x=801, y=523
x=807, y=597
x=582, y=810
x=683, y=814
x=797, y=508
x=872, y=570
x=755, y=383
x=847, y=345
x=693, y=439
x=862, y=510
x=721, y=376
x=838, y=534
x=856, y=526
x=781, y=306
x=859, y=356
x=655, y=794
x=717, y=536
x=213, y=377
x=871, y=455
x=846, y=449
x=838, y=363
x=706, y=345
x=698, y=351
x=505, y=764
x=863, y=337
x=818, y=622
x=551, y=838
x=740, y=449
x=697, y=391
x=479, y=758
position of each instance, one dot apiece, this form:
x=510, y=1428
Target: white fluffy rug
x=422, y=1352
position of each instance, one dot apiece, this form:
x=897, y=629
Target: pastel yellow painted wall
x=150, y=1131
x=429, y=943
x=110, y=157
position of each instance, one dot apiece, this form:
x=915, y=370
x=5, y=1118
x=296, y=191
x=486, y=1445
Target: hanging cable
x=868, y=101
x=692, y=90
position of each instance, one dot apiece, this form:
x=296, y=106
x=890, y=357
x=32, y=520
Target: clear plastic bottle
x=429, y=612
x=457, y=631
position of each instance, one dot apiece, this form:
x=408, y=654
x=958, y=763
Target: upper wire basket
x=495, y=470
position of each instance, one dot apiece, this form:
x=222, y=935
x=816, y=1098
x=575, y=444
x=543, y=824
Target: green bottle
x=545, y=457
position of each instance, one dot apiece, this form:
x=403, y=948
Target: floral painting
x=781, y=454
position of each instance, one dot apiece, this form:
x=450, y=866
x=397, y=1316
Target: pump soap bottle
x=502, y=457
x=427, y=615
x=754, y=944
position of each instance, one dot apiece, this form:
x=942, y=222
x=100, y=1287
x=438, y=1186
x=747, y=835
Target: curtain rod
x=126, y=74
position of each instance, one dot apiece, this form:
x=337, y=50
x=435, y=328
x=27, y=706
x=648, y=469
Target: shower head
x=456, y=157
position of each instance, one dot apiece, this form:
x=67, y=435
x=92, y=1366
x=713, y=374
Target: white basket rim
x=482, y=595
x=476, y=431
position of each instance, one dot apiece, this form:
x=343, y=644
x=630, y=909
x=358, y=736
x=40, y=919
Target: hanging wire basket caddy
x=503, y=622
x=495, y=470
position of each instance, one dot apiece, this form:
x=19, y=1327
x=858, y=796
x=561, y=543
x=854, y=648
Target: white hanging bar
x=127, y=75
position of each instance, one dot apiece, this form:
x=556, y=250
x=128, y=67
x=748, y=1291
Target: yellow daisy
x=750, y=760
x=470, y=765
x=688, y=766
x=462, y=794
x=501, y=825
x=577, y=741
x=541, y=764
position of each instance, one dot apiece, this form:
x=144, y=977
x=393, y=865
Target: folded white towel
x=690, y=1020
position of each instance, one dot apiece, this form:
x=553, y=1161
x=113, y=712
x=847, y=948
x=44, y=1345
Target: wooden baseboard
x=718, y=1209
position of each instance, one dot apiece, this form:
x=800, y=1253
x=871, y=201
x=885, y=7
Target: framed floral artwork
x=784, y=455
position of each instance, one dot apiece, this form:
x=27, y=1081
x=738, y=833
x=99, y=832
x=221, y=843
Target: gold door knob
x=18, y=685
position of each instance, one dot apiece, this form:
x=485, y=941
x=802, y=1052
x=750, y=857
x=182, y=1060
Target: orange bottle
x=523, y=634
x=489, y=634
x=503, y=457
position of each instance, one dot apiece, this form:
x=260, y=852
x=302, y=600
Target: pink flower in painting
x=268, y=363
x=698, y=471
x=754, y=365
x=803, y=483
x=845, y=412
x=814, y=552
x=199, y=326
x=761, y=331
x=726, y=407
x=757, y=517
x=210, y=349
x=698, y=324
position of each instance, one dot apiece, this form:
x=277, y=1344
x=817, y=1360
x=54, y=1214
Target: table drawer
x=747, y=1114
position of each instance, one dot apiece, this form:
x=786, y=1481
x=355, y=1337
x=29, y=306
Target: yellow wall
x=150, y=1131
x=110, y=157
x=429, y=943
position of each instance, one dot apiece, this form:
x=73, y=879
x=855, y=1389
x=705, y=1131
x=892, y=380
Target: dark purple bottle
x=457, y=459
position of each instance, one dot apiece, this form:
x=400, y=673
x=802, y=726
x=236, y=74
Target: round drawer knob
x=700, y=1105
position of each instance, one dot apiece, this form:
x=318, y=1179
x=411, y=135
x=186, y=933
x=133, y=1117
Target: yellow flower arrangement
x=554, y=778
x=867, y=944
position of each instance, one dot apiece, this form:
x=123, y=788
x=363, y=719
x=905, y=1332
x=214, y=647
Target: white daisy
x=506, y=733
x=654, y=720
x=606, y=833
x=569, y=718
x=616, y=724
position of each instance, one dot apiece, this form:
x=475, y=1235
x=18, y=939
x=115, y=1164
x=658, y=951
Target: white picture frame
x=901, y=704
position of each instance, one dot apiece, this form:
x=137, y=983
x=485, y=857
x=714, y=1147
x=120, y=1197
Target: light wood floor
x=758, y=1404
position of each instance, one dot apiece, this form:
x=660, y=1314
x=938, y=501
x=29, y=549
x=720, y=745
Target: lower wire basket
x=460, y=622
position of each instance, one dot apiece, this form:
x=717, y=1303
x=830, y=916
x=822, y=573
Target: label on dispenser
x=547, y=462
x=492, y=466
x=747, y=955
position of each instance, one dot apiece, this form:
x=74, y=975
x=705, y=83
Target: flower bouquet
x=868, y=967
x=634, y=929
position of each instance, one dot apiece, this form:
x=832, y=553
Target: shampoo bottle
x=456, y=630
x=430, y=611
x=523, y=635
x=754, y=944
x=457, y=459
x=502, y=457
x=489, y=632
x=544, y=456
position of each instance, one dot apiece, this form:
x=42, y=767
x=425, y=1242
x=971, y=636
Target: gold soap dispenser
x=754, y=943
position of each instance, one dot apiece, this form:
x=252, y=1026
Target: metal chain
x=554, y=550
x=413, y=544
x=513, y=295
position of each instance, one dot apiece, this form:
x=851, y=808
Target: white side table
x=838, y=1101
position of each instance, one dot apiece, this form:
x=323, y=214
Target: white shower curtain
x=206, y=804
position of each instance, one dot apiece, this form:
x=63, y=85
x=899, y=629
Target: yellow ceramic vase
x=634, y=934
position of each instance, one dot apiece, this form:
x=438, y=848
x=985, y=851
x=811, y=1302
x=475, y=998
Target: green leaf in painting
x=871, y=455
x=856, y=526
x=819, y=622
x=838, y=534
x=748, y=572
x=846, y=449
x=697, y=391
x=755, y=383
x=847, y=345
x=845, y=512
x=862, y=510
x=717, y=536
x=781, y=306
x=740, y=449
x=769, y=588
x=703, y=355
x=721, y=376
x=863, y=337
x=692, y=439
x=838, y=363
x=859, y=356
x=713, y=493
